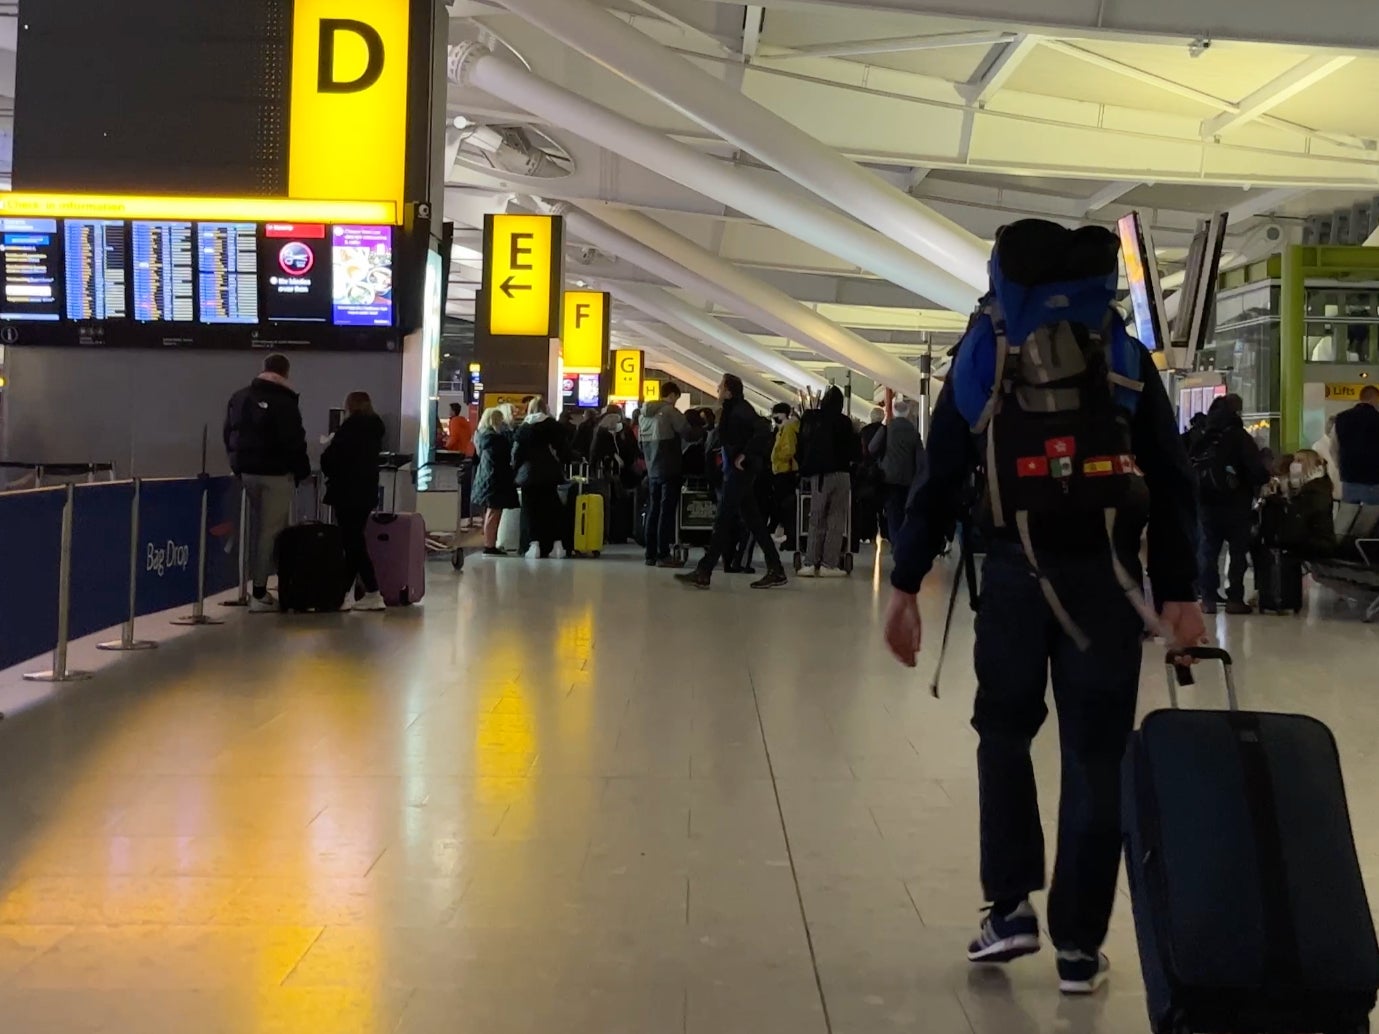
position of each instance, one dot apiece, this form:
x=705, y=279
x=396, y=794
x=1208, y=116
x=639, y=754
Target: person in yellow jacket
x=785, y=476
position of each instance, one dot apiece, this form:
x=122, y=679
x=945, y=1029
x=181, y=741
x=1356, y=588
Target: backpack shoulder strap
x=1006, y=354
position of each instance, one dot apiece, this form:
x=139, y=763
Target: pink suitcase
x=397, y=547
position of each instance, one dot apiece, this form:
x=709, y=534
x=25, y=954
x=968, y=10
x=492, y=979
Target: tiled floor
x=564, y=797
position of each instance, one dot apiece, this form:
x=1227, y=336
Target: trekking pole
x=948, y=623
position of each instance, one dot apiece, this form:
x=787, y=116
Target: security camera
x=1199, y=46
x=588, y=255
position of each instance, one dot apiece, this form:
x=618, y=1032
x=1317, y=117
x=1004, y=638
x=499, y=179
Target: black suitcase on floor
x=1278, y=577
x=311, y=568
x=1249, y=905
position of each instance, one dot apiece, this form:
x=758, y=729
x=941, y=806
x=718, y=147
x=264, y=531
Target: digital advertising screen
x=362, y=274
x=227, y=272
x=96, y=259
x=32, y=258
x=1142, y=274
x=588, y=395
x=295, y=272
x=164, y=276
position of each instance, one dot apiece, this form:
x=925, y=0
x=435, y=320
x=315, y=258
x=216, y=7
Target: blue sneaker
x=1006, y=938
x=1080, y=973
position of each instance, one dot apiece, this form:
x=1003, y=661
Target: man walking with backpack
x=1229, y=473
x=745, y=439
x=1065, y=418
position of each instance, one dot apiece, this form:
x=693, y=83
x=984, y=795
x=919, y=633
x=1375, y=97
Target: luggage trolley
x=804, y=499
x=694, y=516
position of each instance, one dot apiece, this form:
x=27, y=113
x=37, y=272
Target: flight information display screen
x=363, y=276
x=164, y=279
x=187, y=284
x=228, y=272
x=295, y=273
x=97, y=255
x=32, y=254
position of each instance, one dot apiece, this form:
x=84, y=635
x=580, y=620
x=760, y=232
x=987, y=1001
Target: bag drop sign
x=159, y=559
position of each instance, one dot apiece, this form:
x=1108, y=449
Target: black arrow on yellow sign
x=508, y=287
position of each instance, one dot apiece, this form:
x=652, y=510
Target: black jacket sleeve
x=934, y=506
x=1251, y=462
x=292, y=434
x=1172, y=493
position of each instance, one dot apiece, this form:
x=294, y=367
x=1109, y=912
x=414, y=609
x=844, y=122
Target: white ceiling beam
x=1109, y=194
x=1140, y=75
x=689, y=29
x=1273, y=93
x=999, y=70
x=891, y=45
x=1260, y=203
x=1322, y=23
x=753, y=20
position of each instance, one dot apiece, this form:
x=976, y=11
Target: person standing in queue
x=829, y=449
x=266, y=445
x=900, y=453
x=785, y=473
x=664, y=432
x=745, y=442
x=1074, y=471
x=494, y=487
x=1230, y=472
x=539, y=455
x=350, y=465
x=459, y=438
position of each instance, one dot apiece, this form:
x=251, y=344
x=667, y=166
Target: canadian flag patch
x=1032, y=467
x=1060, y=447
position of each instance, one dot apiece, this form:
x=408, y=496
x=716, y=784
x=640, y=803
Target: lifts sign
x=523, y=274
x=348, y=136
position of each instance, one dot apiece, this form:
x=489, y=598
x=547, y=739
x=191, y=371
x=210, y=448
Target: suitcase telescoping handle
x=1181, y=674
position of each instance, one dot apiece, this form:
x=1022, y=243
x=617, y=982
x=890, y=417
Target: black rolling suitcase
x=311, y=568
x=1278, y=577
x=1249, y=905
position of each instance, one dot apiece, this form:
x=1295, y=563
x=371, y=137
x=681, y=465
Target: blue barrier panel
x=222, y=536
x=30, y=551
x=101, y=521
x=169, y=530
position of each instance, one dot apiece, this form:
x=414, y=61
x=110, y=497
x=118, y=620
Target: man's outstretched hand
x=904, y=629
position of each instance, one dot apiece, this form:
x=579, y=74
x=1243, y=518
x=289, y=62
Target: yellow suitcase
x=589, y=518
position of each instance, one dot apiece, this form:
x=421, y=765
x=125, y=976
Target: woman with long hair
x=350, y=464
x=538, y=456
x=494, y=487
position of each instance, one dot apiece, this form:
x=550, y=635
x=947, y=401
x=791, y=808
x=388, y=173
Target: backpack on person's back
x=1048, y=378
x=1213, y=465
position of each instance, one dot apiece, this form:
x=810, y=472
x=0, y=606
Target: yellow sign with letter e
x=523, y=274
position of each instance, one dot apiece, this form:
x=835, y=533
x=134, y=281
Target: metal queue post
x=127, y=642
x=59, y=672
x=198, y=615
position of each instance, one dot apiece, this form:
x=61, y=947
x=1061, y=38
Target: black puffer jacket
x=494, y=485
x=829, y=444
x=263, y=430
x=539, y=453
x=350, y=463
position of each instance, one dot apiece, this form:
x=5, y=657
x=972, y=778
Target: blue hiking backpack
x=1047, y=377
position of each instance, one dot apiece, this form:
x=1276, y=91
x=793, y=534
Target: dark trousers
x=896, y=498
x=738, y=501
x=662, y=501
x=1020, y=647
x=1227, y=526
x=544, y=516
x=783, y=507
x=353, y=520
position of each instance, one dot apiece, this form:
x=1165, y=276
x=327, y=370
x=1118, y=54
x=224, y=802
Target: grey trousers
x=828, y=519
x=270, y=511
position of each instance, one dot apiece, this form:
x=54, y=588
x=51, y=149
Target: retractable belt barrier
x=83, y=557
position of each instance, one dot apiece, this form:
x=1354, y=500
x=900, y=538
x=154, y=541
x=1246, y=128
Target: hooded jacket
x=662, y=432
x=1225, y=432
x=350, y=463
x=539, y=452
x=828, y=442
x=494, y=484
x=785, y=447
x=263, y=431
